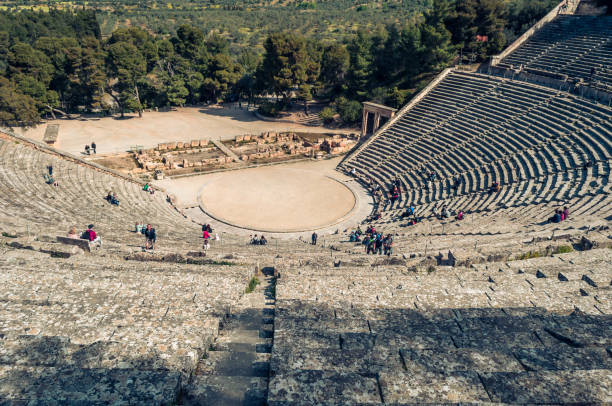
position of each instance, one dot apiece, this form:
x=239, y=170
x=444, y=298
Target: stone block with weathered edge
x=47, y=385
x=83, y=244
x=429, y=387
x=594, y=386
x=322, y=387
x=458, y=360
x=364, y=362
x=563, y=357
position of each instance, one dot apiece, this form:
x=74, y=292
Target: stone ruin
x=278, y=145
x=202, y=155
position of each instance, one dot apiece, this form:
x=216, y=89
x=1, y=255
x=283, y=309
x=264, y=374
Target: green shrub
x=252, y=285
x=327, y=115
x=350, y=110
x=528, y=255
x=563, y=249
x=270, y=109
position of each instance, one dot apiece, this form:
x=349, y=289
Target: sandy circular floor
x=276, y=198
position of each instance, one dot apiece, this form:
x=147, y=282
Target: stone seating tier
x=571, y=45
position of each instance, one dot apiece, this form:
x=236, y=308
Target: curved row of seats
x=577, y=46
x=534, y=141
x=28, y=202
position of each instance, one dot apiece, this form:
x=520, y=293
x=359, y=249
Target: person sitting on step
x=73, y=233
x=556, y=218
x=91, y=236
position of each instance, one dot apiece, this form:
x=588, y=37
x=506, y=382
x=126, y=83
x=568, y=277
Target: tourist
x=562, y=215
x=49, y=180
x=566, y=213
x=150, y=237
x=495, y=188
x=388, y=245
x=262, y=240
x=460, y=215
x=91, y=236
x=145, y=187
x=444, y=214
x=93, y=147
x=378, y=247
x=457, y=183
x=556, y=218
x=87, y=149
x=50, y=169
x=314, y=238
x=73, y=233
x=112, y=198
x=206, y=237
x=206, y=245
x=253, y=239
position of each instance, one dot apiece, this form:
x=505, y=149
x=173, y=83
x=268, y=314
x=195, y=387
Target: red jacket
x=92, y=234
x=206, y=235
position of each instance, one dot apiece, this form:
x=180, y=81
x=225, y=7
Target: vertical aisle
x=235, y=369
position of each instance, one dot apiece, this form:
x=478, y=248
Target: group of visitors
x=411, y=214
x=446, y=213
x=89, y=235
x=254, y=240
x=374, y=242
x=111, y=197
x=208, y=236
x=559, y=216
x=443, y=214
x=90, y=148
x=148, y=188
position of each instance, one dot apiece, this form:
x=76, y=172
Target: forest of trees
x=58, y=61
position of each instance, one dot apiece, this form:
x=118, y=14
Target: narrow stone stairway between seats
x=235, y=370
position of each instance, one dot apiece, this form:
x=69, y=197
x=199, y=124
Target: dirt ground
x=113, y=135
x=286, y=197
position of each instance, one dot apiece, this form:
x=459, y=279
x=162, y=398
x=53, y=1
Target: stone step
x=262, y=346
x=234, y=363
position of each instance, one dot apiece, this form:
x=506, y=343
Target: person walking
x=314, y=238
x=150, y=237
x=93, y=147
x=206, y=236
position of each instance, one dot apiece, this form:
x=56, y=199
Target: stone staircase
x=235, y=370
